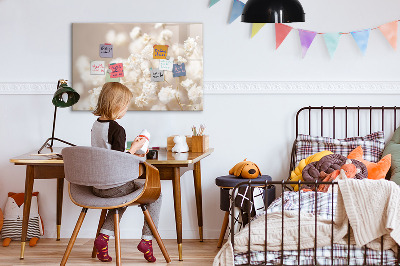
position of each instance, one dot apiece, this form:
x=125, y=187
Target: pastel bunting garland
x=237, y=8
x=361, y=37
x=281, y=31
x=256, y=27
x=306, y=39
x=332, y=42
x=389, y=30
x=213, y=2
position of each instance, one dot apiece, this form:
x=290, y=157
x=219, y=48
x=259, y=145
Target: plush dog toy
x=245, y=169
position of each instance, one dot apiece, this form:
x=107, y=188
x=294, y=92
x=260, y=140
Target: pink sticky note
x=117, y=70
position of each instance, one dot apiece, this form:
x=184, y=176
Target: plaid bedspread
x=322, y=206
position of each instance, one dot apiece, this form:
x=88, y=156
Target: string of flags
x=361, y=37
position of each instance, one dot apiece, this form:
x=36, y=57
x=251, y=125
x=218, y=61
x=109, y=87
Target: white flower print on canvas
x=134, y=47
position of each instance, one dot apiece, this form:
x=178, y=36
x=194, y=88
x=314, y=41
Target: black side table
x=226, y=183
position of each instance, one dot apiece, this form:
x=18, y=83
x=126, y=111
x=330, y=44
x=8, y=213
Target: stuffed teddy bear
x=13, y=215
x=245, y=169
x=180, y=144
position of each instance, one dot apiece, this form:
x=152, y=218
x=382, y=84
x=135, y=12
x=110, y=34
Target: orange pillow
x=375, y=170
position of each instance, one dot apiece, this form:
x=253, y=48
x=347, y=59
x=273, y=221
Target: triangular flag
x=213, y=2
x=361, y=37
x=281, y=31
x=237, y=9
x=390, y=32
x=255, y=28
x=306, y=39
x=332, y=41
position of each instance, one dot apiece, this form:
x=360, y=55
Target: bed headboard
x=344, y=121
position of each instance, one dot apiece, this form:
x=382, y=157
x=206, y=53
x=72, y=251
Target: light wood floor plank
x=49, y=252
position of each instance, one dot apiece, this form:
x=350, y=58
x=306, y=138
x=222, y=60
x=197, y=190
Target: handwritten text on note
x=97, y=68
x=106, y=50
x=157, y=75
x=166, y=64
x=117, y=70
x=179, y=70
x=160, y=51
x=110, y=79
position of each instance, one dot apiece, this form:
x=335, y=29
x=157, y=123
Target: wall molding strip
x=246, y=87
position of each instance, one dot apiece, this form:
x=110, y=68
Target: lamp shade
x=273, y=11
x=65, y=96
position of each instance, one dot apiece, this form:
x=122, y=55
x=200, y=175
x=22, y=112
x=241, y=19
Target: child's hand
x=137, y=144
x=143, y=155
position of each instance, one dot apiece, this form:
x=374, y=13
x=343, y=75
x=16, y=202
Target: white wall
x=35, y=46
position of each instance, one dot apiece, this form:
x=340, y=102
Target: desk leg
x=199, y=204
x=60, y=190
x=176, y=182
x=27, y=206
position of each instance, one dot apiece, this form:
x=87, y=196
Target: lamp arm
x=54, y=118
x=54, y=126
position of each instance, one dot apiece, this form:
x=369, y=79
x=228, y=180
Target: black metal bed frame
x=283, y=184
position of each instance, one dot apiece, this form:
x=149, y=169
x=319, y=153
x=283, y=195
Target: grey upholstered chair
x=85, y=167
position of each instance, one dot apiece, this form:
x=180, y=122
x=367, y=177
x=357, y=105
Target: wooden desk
x=171, y=167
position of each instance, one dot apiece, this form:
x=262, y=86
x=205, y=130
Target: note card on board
x=157, y=75
x=179, y=70
x=97, y=68
x=166, y=64
x=106, y=50
x=117, y=70
x=110, y=79
x=160, y=51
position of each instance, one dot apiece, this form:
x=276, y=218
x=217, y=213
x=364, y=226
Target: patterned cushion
x=372, y=144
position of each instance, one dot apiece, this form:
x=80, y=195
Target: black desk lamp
x=64, y=97
x=273, y=11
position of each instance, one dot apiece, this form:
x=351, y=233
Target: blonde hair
x=113, y=97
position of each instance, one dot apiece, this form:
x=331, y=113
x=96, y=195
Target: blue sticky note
x=179, y=70
x=106, y=50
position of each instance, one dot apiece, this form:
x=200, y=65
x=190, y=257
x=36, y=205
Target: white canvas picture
x=134, y=46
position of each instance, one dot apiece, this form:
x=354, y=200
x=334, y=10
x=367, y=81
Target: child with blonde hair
x=106, y=133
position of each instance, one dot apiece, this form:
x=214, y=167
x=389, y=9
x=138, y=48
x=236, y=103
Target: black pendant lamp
x=273, y=11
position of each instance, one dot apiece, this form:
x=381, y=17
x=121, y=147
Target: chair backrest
x=92, y=166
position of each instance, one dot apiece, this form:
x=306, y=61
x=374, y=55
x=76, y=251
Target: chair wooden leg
x=154, y=230
x=223, y=229
x=117, y=239
x=73, y=237
x=101, y=222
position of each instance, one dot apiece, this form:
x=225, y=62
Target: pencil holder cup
x=200, y=143
x=152, y=155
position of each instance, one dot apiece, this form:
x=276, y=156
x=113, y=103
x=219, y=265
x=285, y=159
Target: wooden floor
x=50, y=252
